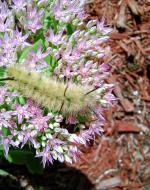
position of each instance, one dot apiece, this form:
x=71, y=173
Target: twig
x=8, y=78
x=121, y=21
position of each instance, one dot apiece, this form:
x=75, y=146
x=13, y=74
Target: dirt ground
x=120, y=159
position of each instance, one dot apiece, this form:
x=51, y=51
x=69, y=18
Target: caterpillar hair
x=68, y=98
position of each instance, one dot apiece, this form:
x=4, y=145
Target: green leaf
x=24, y=157
x=1, y=147
x=37, y=44
x=2, y=71
x=39, y=188
x=48, y=59
x=4, y=173
x=18, y=156
x=39, y=35
x=50, y=22
x=22, y=100
x=50, y=1
x=24, y=54
x=82, y=118
x=51, y=61
x=5, y=131
x=70, y=29
x=1, y=153
x=26, y=50
x=34, y=165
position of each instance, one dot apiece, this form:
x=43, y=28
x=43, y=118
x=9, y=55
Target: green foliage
x=50, y=60
x=70, y=28
x=4, y=173
x=82, y=118
x=25, y=157
x=2, y=73
x=21, y=100
x=26, y=50
x=22, y=157
x=5, y=131
x=1, y=151
x=39, y=35
x=50, y=22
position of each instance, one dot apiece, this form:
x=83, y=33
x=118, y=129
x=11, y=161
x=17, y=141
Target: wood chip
x=118, y=36
x=140, y=46
x=126, y=126
x=109, y=183
x=133, y=6
x=125, y=47
x=121, y=21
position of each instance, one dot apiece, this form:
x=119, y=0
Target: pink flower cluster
x=76, y=57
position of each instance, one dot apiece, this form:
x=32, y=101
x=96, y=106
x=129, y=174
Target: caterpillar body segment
x=69, y=98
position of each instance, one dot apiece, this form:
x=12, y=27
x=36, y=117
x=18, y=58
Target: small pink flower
x=41, y=122
x=55, y=39
x=46, y=156
x=102, y=28
x=71, y=120
x=21, y=112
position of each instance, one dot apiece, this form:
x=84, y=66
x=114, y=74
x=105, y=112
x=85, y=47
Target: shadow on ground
x=55, y=177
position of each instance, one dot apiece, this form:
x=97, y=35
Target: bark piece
x=126, y=126
x=121, y=21
x=109, y=183
x=133, y=6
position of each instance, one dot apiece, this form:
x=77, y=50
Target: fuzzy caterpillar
x=55, y=95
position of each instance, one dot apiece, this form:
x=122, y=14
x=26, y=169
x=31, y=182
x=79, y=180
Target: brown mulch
x=120, y=159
